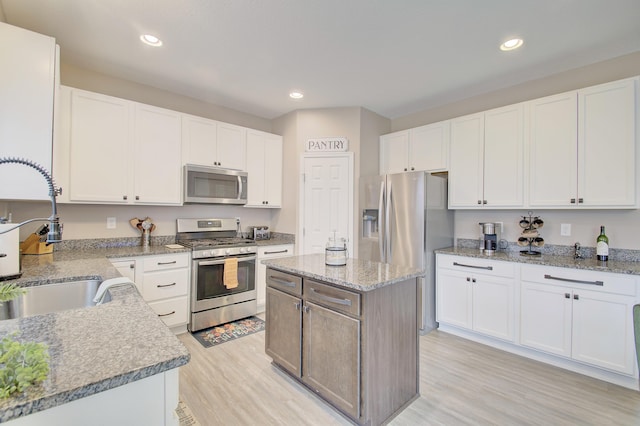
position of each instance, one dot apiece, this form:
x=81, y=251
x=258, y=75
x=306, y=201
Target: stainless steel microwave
x=212, y=185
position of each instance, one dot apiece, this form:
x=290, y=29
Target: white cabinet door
x=99, y=148
x=607, y=144
x=493, y=306
x=199, y=137
x=157, y=156
x=553, y=136
x=603, y=330
x=231, y=146
x=28, y=70
x=429, y=147
x=264, y=168
x=545, y=318
x=268, y=252
x=504, y=157
x=454, y=299
x=466, y=162
x=394, y=152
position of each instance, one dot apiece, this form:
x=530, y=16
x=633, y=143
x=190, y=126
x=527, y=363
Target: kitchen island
x=348, y=333
x=108, y=363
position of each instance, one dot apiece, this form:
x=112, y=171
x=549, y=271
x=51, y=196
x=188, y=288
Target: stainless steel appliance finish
x=213, y=241
x=404, y=219
x=490, y=237
x=212, y=185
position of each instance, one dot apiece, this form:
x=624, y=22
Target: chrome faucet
x=577, y=254
x=55, y=227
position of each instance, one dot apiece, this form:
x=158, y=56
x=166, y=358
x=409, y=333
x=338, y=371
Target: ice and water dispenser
x=370, y=223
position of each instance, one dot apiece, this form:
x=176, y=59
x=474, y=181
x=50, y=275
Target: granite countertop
x=612, y=266
x=91, y=349
x=362, y=275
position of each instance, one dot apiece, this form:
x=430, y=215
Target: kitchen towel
x=230, y=279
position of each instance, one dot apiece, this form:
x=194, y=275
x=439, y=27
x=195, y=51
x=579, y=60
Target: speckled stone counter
x=362, y=275
x=618, y=267
x=92, y=349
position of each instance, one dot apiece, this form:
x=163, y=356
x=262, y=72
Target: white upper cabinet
x=264, y=168
x=607, y=144
x=424, y=148
x=583, y=148
x=157, y=156
x=212, y=143
x=99, y=148
x=486, y=166
x=114, y=151
x=28, y=71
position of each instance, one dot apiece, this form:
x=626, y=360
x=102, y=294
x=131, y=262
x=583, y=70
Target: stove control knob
x=227, y=252
x=243, y=250
x=213, y=253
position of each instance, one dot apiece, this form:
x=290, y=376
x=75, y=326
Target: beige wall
x=623, y=226
x=101, y=83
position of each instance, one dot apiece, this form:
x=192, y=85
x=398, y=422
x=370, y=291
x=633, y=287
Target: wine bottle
x=602, y=246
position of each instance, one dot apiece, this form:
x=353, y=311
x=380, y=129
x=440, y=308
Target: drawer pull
x=569, y=280
x=283, y=282
x=277, y=252
x=488, y=268
x=167, y=263
x=165, y=285
x=166, y=315
x=326, y=298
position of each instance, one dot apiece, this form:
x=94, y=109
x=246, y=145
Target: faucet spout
x=577, y=254
x=55, y=227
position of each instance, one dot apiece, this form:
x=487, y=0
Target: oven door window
x=210, y=282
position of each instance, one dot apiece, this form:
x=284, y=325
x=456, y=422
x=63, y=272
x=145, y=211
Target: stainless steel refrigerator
x=404, y=219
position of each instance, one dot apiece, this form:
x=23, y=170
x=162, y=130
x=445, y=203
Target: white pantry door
x=326, y=200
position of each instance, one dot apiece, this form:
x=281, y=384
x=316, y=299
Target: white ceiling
x=394, y=57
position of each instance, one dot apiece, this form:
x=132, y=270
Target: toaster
x=260, y=233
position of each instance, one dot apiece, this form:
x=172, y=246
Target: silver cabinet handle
x=569, y=280
x=165, y=285
x=488, y=268
x=326, y=298
x=167, y=263
x=276, y=252
x=166, y=315
x=283, y=282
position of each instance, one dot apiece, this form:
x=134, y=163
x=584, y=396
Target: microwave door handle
x=240, y=187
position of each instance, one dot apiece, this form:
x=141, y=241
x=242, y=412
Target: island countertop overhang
x=357, y=274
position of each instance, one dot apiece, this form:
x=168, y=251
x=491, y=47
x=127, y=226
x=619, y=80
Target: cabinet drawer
x=477, y=265
x=165, y=284
x=335, y=298
x=270, y=252
x=159, y=263
x=288, y=283
x=173, y=311
x=581, y=279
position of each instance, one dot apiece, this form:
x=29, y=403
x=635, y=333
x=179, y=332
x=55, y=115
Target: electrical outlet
x=111, y=223
x=565, y=229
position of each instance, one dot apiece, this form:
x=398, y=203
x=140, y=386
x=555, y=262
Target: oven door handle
x=221, y=261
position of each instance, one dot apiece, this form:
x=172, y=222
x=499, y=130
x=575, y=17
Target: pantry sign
x=327, y=145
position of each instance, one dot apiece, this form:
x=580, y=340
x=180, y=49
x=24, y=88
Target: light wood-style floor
x=461, y=383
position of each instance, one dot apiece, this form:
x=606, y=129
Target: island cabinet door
x=283, y=332
x=331, y=357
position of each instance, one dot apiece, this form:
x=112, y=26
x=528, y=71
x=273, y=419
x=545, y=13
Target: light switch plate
x=565, y=229
x=111, y=223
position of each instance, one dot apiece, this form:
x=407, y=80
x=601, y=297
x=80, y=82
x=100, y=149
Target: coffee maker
x=490, y=237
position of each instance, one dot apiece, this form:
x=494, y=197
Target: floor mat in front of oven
x=229, y=331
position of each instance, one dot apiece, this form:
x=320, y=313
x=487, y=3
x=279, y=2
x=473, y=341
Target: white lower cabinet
x=163, y=281
x=577, y=319
x=268, y=252
x=584, y=315
x=477, y=295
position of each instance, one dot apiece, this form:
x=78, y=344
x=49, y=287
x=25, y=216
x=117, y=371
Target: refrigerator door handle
x=381, y=219
x=387, y=225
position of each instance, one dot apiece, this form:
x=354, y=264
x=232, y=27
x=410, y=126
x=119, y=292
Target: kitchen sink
x=48, y=298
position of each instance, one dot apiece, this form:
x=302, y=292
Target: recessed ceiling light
x=512, y=44
x=296, y=95
x=151, y=40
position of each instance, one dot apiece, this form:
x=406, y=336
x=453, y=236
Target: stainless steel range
x=215, y=248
